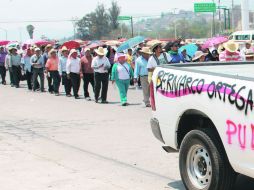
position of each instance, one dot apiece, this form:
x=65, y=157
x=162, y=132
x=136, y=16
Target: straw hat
x=87, y=49
x=64, y=48
x=146, y=50
x=37, y=49
x=154, y=44
x=100, y=51
x=231, y=46
x=199, y=54
x=73, y=51
x=48, y=46
x=249, y=53
x=12, y=48
x=52, y=51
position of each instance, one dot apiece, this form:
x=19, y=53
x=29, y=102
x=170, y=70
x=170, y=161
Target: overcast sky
x=23, y=10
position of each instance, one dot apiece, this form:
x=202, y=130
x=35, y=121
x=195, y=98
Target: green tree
x=30, y=29
x=84, y=27
x=114, y=12
x=100, y=22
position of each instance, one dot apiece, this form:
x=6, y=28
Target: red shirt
x=86, y=64
x=52, y=64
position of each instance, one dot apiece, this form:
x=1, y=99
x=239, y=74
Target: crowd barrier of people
x=97, y=67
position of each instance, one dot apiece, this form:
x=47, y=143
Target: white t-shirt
x=97, y=62
x=73, y=66
x=152, y=63
x=123, y=73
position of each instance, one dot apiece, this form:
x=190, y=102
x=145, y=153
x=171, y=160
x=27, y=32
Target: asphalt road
x=59, y=143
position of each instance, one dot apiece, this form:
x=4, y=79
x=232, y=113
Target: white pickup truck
x=205, y=111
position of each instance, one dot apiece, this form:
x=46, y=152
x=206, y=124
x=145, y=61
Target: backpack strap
x=156, y=59
x=165, y=57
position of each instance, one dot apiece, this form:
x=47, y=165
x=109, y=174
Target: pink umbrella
x=42, y=42
x=214, y=41
x=29, y=42
x=4, y=42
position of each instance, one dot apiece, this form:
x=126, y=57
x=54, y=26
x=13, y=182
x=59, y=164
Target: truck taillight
x=152, y=96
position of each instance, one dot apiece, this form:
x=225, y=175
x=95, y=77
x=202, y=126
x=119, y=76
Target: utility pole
x=232, y=16
x=175, y=23
x=245, y=15
x=213, y=24
x=132, y=30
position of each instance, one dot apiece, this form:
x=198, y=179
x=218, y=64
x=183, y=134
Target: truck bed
x=237, y=70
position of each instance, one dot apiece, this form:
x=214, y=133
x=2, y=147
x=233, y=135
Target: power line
x=37, y=21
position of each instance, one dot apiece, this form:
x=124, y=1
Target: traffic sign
x=124, y=18
x=204, y=7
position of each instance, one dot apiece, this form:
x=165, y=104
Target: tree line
x=100, y=23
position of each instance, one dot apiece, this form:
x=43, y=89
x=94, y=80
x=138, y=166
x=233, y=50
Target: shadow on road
x=242, y=183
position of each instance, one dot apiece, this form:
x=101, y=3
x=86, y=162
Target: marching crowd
x=99, y=66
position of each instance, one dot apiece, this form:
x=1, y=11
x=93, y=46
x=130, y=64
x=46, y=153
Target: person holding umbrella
x=52, y=68
x=121, y=75
x=62, y=71
x=101, y=65
x=73, y=70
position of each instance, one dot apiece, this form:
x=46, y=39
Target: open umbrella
x=42, y=42
x=29, y=42
x=71, y=45
x=12, y=44
x=112, y=43
x=4, y=42
x=130, y=43
x=214, y=41
x=94, y=44
x=190, y=49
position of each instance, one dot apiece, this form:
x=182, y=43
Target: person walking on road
x=88, y=72
x=73, y=70
x=121, y=75
x=62, y=71
x=173, y=52
x=27, y=67
x=52, y=69
x=101, y=65
x=158, y=58
x=15, y=65
x=142, y=72
x=37, y=66
x=231, y=52
x=8, y=67
x=45, y=59
x=199, y=56
x=3, y=55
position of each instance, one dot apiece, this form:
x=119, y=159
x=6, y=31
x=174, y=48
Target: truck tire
x=203, y=162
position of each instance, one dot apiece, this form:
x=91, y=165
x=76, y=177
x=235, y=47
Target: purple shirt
x=2, y=58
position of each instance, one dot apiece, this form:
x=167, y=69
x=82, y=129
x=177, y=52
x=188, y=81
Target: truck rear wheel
x=203, y=162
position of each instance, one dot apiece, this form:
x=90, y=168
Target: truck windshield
x=242, y=37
